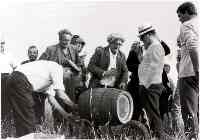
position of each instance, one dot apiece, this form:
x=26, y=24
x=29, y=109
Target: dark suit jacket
x=99, y=63
x=55, y=53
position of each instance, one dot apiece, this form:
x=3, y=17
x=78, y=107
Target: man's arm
x=92, y=66
x=132, y=61
x=58, y=107
x=45, y=55
x=63, y=96
x=194, y=55
x=192, y=42
x=124, y=70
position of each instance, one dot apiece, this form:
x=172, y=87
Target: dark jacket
x=133, y=64
x=55, y=53
x=99, y=63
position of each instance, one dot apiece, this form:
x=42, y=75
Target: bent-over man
x=37, y=76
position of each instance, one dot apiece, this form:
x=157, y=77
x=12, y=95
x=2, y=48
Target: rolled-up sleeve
x=57, y=78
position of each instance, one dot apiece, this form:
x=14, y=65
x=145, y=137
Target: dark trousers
x=150, y=101
x=133, y=88
x=189, y=94
x=6, y=112
x=39, y=99
x=22, y=103
x=165, y=103
x=5, y=106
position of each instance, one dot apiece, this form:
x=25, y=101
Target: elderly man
x=108, y=65
x=188, y=74
x=32, y=54
x=24, y=80
x=150, y=76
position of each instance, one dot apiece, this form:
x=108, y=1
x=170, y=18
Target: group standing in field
x=60, y=75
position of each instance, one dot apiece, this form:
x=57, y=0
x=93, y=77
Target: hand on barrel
x=122, y=86
x=111, y=72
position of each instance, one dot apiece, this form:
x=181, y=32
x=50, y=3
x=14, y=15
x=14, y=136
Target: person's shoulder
x=52, y=47
x=192, y=23
x=157, y=46
x=99, y=48
x=121, y=53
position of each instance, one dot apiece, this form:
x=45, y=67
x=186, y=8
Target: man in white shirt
x=37, y=76
x=188, y=67
x=150, y=76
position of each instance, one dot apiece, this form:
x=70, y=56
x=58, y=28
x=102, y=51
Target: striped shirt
x=188, y=39
x=151, y=68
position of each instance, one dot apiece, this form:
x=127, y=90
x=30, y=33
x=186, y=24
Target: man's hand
x=111, y=72
x=67, y=73
x=63, y=96
x=122, y=86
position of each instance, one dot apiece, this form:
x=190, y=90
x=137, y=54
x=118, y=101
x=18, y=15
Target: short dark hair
x=33, y=46
x=64, y=31
x=74, y=38
x=188, y=7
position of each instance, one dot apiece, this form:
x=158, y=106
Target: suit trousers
x=149, y=97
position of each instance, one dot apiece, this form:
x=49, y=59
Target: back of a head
x=188, y=7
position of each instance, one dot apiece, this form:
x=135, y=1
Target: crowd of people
x=60, y=76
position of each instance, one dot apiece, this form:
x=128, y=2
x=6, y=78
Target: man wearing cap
x=188, y=67
x=108, y=65
x=150, y=76
x=25, y=81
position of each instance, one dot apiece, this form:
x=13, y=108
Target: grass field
x=80, y=130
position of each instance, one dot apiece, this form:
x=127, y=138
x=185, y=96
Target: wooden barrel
x=106, y=104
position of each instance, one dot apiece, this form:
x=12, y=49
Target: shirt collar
x=112, y=53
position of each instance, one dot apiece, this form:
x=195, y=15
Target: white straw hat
x=145, y=28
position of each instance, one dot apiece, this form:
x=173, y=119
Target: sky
x=26, y=23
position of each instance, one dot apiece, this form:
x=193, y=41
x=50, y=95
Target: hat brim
x=142, y=33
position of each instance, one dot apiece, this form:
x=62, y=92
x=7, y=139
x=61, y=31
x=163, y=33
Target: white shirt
x=7, y=63
x=151, y=68
x=188, y=38
x=43, y=75
x=113, y=60
x=110, y=81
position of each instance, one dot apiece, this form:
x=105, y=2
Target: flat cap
x=114, y=36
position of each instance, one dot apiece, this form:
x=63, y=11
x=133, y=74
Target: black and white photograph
x=99, y=69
